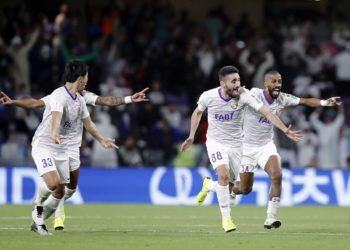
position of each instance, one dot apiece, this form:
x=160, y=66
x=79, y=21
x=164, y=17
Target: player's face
x=273, y=85
x=230, y=84
x=82, y=82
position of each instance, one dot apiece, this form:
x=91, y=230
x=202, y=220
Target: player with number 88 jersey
x=225, y=105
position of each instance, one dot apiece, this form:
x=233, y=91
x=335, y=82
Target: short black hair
x=271, y=73
x=227, y=70
x=74, y=69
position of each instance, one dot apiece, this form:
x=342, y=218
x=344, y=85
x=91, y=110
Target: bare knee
x=59, y=192
x=224, y=178
x=52, y=186
x=246, y=190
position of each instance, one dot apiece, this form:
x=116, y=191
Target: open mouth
x=276, y=91
x=235, y=90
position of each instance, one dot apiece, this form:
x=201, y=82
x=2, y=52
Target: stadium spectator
x=328, y=125
x=129, y=154
x=155, y=42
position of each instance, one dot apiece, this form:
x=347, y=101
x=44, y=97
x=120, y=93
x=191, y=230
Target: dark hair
x=227, y=70
x=271, y=73
x=73, y=70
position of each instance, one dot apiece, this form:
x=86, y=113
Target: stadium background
x=176, y=48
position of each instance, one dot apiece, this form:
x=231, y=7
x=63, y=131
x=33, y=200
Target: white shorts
x=47, y=161
x=74, y=159
x=254, y=156
x=220, y=154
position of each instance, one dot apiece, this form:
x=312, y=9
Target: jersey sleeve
x=248, y=99
x=57, y=101
x=203, y=102
x=85, y=112
x=46, y=99
x=90, y=98
x=289, y=100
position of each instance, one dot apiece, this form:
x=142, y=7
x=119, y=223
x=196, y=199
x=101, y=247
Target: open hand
x=294, y=135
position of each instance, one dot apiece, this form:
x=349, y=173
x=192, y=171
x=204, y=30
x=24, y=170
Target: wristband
x=323, y=103
x=127, y=99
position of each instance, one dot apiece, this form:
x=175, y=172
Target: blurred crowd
x=133, y=44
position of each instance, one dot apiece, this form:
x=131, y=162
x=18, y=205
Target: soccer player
x=65, y=113
x=258, y=146
x=74, y=154
x=225, y=106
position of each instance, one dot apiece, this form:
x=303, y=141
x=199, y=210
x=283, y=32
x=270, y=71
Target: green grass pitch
x=178, y=227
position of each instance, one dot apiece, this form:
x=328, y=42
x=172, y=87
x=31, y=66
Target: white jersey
x=257, y=129
x=225, y=116
x=73, y=108
x=90, y=99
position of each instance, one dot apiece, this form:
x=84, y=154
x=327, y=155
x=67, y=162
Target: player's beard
x=273, y=94
x=232, y=93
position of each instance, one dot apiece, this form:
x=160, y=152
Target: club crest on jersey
x=67, y=125
x=234, y=104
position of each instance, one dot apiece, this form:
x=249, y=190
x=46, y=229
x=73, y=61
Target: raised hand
x=186, y=144
x=140, y=96
x=294, y=135
x=333, y=101
x=4, y=99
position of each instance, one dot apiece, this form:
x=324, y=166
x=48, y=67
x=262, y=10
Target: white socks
x=50, y=206
x=223, y=195
x=67, y=194
x=211, y=186
x=42, y=194
x=272, y=208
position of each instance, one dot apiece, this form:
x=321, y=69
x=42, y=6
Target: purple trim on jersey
x=74, y=98
x=266, y=98
x=226, y=100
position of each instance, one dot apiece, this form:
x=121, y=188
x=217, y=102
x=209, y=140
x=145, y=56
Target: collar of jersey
x=74, y=98
x=267, y=99
x=226, y=100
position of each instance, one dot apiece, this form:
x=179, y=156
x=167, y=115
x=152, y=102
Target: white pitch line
x=219, y=232
x=136, y=217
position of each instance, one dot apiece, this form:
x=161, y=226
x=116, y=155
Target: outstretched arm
x=294, y=135
x=29, y=103
x=195, y=119
x=314, y=102
x=110, y=100
x=91, y=128
x=119, y=100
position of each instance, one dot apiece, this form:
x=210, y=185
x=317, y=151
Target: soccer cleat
x=58, y=224
x=40, y=229
x=63, y=215
x=37, y=215
x=204, y=192
x=228, y=225
x=272, y=223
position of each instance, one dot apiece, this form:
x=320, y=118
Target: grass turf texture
x=169, y=227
